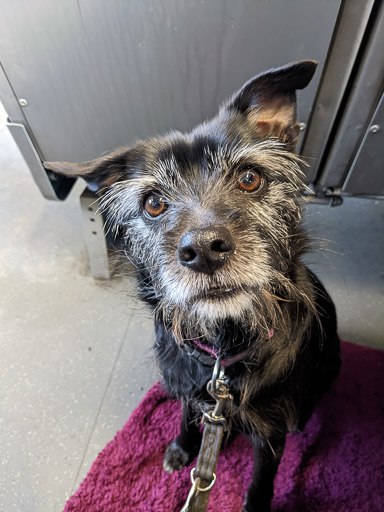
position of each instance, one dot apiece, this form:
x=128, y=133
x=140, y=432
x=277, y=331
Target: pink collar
x=215, y=354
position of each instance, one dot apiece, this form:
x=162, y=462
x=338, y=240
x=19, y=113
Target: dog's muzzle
x=205, y=250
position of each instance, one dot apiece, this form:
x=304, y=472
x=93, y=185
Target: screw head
x=23, y=102
x=302, y=126
x=374, y=128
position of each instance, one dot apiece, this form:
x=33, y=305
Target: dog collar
x=208, y=356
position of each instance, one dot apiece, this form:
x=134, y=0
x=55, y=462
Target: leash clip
x=218, y=388
x=218, y=373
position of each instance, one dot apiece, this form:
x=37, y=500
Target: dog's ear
x=269, y=100
x=99, y=173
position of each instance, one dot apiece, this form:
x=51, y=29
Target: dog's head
x=210, y=218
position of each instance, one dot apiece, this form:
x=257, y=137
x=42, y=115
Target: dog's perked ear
x=269, y=100
x=99, y=173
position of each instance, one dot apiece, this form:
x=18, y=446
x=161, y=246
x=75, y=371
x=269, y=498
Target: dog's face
x=211, y=217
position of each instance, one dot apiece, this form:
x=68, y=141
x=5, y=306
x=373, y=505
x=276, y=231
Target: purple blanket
x=335, y=465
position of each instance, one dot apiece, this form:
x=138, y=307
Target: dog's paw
x=175, y=457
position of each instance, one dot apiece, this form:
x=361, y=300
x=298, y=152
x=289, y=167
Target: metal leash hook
x=218, y=373
x=218, y=388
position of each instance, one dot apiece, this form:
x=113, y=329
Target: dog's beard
x=257, y=308
x=204, y=318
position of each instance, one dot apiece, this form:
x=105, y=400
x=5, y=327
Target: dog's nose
x=205, y=250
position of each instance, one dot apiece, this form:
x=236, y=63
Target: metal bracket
x=94, y=234
x=27, y=149
x=328, y=197
x=327, y=200
x=51, y=185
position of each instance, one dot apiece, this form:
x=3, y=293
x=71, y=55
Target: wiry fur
x=262, y=285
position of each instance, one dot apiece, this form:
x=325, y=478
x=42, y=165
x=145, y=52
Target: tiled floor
x=75, y=354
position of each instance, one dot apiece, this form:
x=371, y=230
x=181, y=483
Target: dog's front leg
x=186, y=445
x=267, y=458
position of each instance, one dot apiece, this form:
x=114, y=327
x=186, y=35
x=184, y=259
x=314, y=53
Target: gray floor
x=75, y=353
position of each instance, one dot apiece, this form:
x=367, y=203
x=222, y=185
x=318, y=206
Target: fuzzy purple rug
x=335, y=465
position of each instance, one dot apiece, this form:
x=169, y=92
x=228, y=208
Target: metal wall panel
x=362, y=101
x=99, y=74
x=345, y=46
x=366, y=175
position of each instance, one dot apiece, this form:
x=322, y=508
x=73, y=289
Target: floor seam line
x=101, y=404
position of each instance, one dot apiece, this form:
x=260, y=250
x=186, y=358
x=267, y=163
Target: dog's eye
x=155, y=205
x=250, y=180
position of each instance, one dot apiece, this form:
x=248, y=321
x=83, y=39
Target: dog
x=211, y=221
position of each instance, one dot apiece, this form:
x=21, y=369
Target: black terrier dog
x=211, y=221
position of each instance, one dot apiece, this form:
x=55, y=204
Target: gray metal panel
x=8, y=99
x=97, y=75
x=366, y=175
x=12, y=105
x=349, y=31
x=367, y=89
x=52, y=186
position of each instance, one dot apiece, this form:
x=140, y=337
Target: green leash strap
x=203, y=475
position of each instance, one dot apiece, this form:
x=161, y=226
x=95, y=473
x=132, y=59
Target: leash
x=203, y=475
